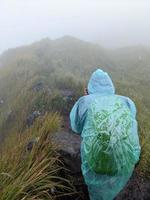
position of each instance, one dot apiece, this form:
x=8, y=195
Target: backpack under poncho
x=108, y=147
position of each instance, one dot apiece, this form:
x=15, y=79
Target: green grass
x=33, y=175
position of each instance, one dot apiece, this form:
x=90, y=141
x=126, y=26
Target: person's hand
x=85, y=91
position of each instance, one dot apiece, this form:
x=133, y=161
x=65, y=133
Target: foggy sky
x=112, y=23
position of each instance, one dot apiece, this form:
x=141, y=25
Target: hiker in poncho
x=110, y=145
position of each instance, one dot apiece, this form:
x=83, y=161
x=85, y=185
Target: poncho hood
x=100, y=82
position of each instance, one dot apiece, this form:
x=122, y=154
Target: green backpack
x=107, y=145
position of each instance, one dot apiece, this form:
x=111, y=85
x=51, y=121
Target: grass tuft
x=33, y=174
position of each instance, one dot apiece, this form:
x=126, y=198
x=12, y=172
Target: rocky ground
x=69, y=150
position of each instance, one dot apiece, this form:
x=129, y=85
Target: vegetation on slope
x=32, y=173
x=40, y=77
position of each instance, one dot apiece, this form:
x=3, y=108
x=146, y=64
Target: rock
x=38, y=86
x=31, y=143
x=68, y=97
x=9, y=115
x=1, y=101
x=69, y=149
x=31, y=118
x=49, y=91
x=66, y=93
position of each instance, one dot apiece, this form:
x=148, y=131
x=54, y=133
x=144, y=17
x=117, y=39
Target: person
x=110, y=144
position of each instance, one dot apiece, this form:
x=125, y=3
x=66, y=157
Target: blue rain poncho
x=110, y=145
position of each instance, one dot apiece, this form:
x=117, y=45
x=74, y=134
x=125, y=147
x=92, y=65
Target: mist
x=111, y=23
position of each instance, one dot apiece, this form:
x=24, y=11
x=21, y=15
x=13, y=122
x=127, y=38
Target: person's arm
x=74, y=118
x=130, y=105
x=134, y=136
x=78, y=115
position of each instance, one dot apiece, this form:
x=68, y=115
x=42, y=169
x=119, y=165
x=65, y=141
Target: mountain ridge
x=68, y=38
x=50, y=75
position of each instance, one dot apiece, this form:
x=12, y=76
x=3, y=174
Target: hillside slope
x=49, y=75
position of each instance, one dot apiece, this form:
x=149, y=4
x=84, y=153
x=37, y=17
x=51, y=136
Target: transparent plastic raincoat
x=106, y=182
